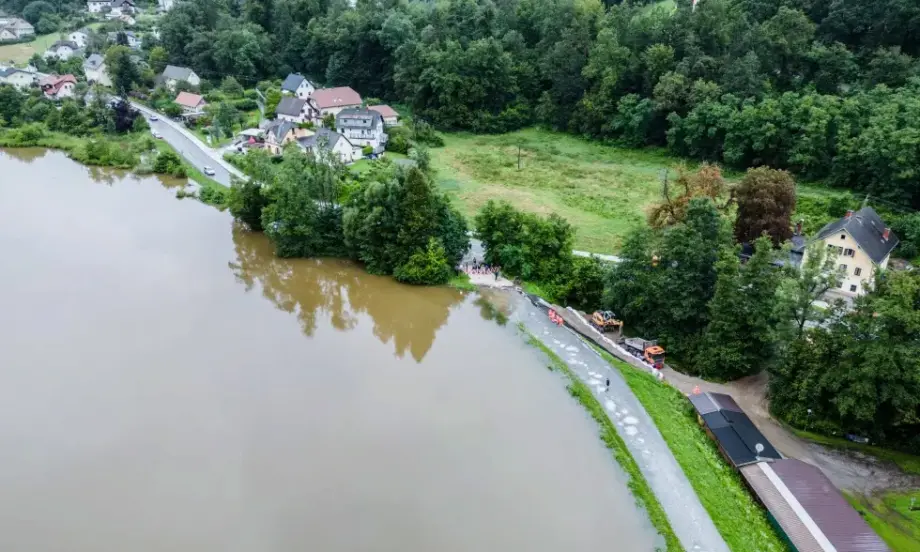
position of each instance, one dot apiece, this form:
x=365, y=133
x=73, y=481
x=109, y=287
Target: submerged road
x=690, y=521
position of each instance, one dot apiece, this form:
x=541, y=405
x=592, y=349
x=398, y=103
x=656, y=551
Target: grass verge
x=907, y=462
x=212, y=192
x=739, y=519
x=890, y=516
x=462, y=282
x=608, y=433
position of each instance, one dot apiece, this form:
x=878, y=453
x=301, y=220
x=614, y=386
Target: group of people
x=476, y=267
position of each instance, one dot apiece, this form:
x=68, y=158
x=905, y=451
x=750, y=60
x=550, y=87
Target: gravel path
x=690, y=521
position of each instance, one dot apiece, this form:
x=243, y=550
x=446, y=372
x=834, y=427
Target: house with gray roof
x=15, y=28
x=18, y=78
x=326, y=140
x=173, y=75
x=63, y=50
x=297, y=85
x=95, y=70
x=296, y=110
x=862, y=244
x=362, y=127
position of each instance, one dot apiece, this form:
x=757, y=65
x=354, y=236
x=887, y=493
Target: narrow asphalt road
x=690, y=521
x=190, y=148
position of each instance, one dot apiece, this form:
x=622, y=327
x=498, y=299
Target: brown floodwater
x=167, y=384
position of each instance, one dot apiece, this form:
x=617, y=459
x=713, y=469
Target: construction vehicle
x=606, y=321
x=646, y=350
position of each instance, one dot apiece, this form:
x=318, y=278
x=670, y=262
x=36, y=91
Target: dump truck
x=646, y=350
x=606, y=321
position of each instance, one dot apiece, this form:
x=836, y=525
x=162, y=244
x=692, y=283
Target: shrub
x=427, y=266
x=367, y=150
x=172, y=110
x=398, y=140
x=168, y=162
x=245, y=104
x=213, y=195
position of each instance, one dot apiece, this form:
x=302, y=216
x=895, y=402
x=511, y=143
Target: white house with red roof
x=334, y=100
x=191, y=104
x=58, y=87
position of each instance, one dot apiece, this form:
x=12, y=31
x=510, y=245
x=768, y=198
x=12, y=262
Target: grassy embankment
x=20, y=53
x=608, y=433
x=891, y=517
x=740, y=520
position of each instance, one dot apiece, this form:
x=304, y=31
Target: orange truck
x=646, y=350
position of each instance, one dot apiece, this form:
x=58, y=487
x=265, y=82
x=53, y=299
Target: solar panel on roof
x=703, y=403
x=734, y=447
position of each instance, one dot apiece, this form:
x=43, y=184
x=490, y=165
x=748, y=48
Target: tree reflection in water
x=313, y=289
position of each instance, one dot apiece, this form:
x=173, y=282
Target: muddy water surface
x=166, y=384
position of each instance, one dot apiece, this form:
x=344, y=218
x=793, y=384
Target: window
x=849, y=252
x=857, y=272
x=843, y=267
x=843, y=236
x=853, y=288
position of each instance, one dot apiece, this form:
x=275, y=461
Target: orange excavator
x=646, y=350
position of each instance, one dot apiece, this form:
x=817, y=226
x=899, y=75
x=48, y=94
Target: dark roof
x=94, y=61
x=290, y=105
x=357, y=118
x=735, y=433
x=322, y=136
x=292, y=82
x=279, y=129
x=177, y=73
x=72, y=45
x=867, y=228
x=809, y=509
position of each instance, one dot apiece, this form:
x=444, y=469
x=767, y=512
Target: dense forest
x=826, y=88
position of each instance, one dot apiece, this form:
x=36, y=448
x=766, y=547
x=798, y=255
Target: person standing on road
x=608, y=385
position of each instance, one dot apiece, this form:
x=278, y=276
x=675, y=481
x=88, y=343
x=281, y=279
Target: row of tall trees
x=786, y=83
x=392, y=219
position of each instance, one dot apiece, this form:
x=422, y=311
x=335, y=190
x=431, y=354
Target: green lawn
x=20, y=53
x=602, y=190
x=740, y=520
x=890, y=516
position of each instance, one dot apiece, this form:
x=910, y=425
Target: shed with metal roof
x=738, y=438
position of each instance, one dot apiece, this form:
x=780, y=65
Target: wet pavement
x=690, y=521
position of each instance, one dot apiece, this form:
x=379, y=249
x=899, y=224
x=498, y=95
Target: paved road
x=191, y=148
x=690, y=521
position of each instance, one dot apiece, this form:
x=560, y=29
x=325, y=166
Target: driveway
x=690, y=521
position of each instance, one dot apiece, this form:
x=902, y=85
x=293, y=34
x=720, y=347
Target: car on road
x=208, y=170
x=157, y=135
x=154, y=118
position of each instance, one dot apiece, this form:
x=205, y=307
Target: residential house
x=7, y=34
x=58, y=87
x=280, y=133
x=191, y=104
x=134, y=41
x=173, y=75
x=62, y=49
x=330, y=141
x=117, y=7
x=390, y=116
x=18, y=78
x=80, y=37
x=296, y=110
x=95, y=69
x=362, y=127
x=124, y=18
x=334, y=100
x=18, y=27
x=297, y=85
x=862, y=244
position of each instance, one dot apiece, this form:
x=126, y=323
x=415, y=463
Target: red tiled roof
x=384, y=110
x=52, y=84
x=187, y=99
x=343, y=96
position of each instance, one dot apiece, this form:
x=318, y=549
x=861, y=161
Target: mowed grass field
x=20, y=53
x=891, y=517
x=602, y=190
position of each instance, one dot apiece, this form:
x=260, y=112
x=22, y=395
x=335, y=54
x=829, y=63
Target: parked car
x=156, y=135
x=154, y=118
x=208, y=170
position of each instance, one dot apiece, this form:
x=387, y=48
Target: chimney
x=886, y=233
x=849, y=214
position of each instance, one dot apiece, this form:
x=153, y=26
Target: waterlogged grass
x=907, y=462
x=740, y=520
x=608, y=433
x=602, y=190
x=462, y=282
x=890, y=516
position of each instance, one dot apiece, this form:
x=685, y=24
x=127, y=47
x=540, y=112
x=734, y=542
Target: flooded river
x=166, y=384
